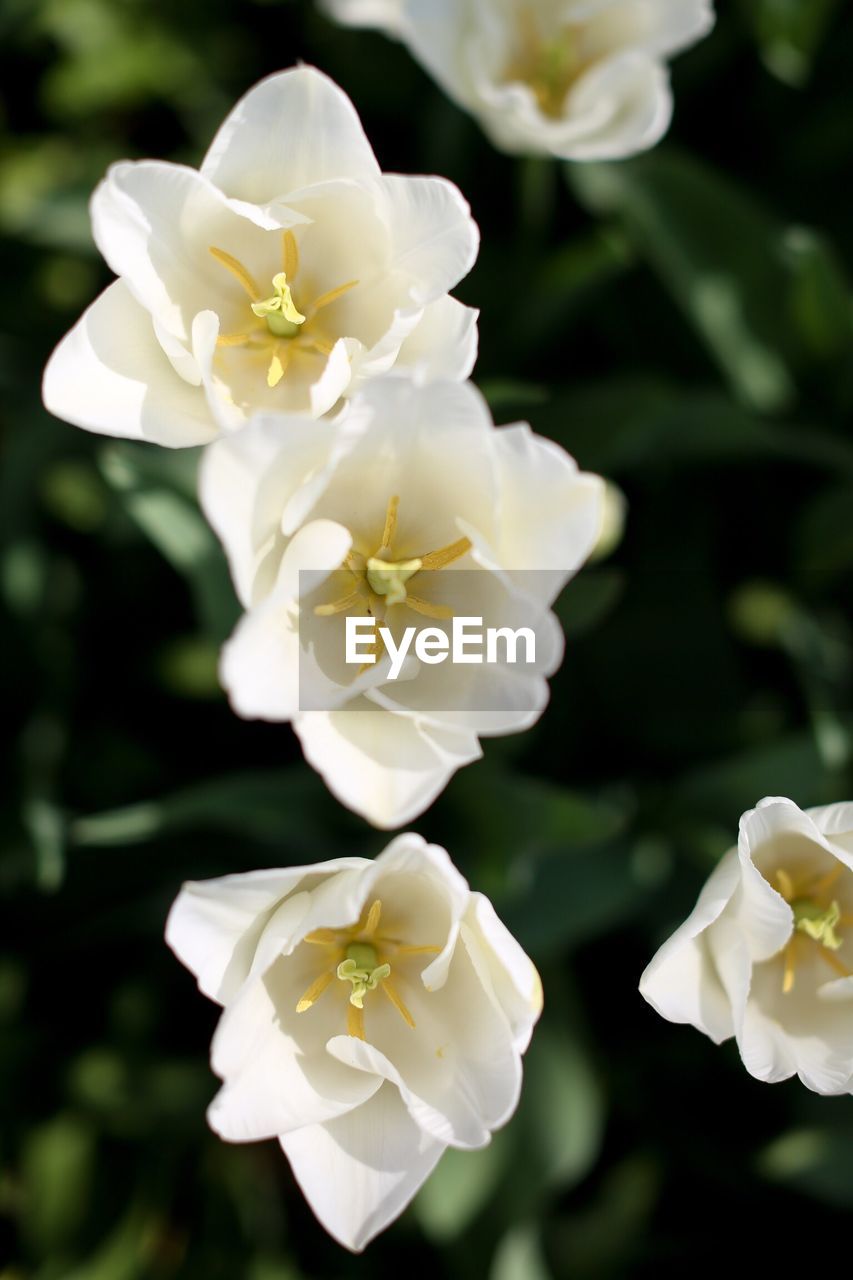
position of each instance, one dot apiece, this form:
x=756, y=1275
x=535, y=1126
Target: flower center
x=548, y=66
x=361, y=967
x=380, y=581
x=279, y=311
x=815, y=920
x=358, y=955
x=279, y=331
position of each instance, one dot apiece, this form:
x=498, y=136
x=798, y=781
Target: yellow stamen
x=427, y=609
x=390, y=523
x=322, y=937
x=825, y=882
x=394, y=996
x=355, y=1022
x=835, y=963
x=418, y=951
x=326, y=299
x=446, y=555
x=289, y=255
x=790, y=966
x=319, y=345
x=786, y=884
x=372, y=922
x=233, y=339
x=312, y=995
x=278, y=368
x=237, y=270
x=339, y=606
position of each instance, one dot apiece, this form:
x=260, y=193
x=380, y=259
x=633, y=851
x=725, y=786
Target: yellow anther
x=446, y=555
x=341, y=605
x=277, y=370
x=355, y=1022
x=289, y=255
x=394, y=996
x=390, y=527
x=312, y=995
x=786, y=884
x=332, y=295
x=427, y=609
x=372, y=922
x=388, y=578
x=238, y=271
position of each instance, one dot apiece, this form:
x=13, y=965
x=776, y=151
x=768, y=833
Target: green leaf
x=560, y=1123
x=790, y=33
x=270, y=807
x=461, y=1186
x=519, y=1256
x=720, y=256
x=816, y=1161
x=157, y=489
x=57, y=1169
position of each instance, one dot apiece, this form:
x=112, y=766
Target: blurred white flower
x=375, y=1014
x=388, y=507
x=284, y=274
x=579, y=79
x=767, y=954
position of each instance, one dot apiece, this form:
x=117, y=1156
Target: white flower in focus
x=375, y=1014
x=415, y=510
x=767, y=954
x=281, y=276
x=579, y=79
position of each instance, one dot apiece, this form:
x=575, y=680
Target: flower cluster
x=289, y=307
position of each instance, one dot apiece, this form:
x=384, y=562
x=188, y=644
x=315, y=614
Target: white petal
x=155, y=224
x=277, y=1076
x=681, y=982
x=111, y=376
x=552, y=514
x=443, y=344
x=434, y=238
x=294, y=129
x=359, y=1172
x=215, y=926
x=661, y=27
x=246, y=483
x=514, y=979
x=385, y=767
x=385, y=14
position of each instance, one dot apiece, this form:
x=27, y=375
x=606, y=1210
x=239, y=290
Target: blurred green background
x=687, y=330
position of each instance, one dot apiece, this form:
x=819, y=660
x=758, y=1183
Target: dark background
x=681, y=323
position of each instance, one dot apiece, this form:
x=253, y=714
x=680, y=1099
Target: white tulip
x=767, y=954
x=375, y=1014
x=389, y=507
x=579, y=79
x=284, y=274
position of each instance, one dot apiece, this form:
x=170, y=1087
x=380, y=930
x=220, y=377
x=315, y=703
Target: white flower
x=388, y=506
x=579, y=79
x=283, y=275
x=767, y=954
x=375, y=1014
